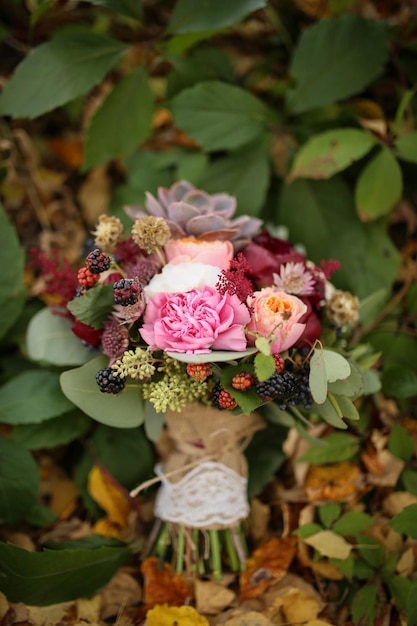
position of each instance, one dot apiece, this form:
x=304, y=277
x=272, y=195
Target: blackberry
x=126, y=291
x=221, y=398
x=199, y=371
x=108, y=381
x=97, y=261
x=281, y=386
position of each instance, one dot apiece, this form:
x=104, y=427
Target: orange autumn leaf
x=162, y=586
x=338, y=482
x=109, y=496
x=266, y=565
x=69, y=150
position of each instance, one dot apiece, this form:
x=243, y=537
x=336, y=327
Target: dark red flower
x=89, y=335
x=265, y=254
x=312, y=321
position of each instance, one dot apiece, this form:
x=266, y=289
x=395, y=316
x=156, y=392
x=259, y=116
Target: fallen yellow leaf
x=330, y=544
x=212, y=597
x=164, y=615
x=109, y=496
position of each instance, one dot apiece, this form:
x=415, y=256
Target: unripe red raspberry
x=243, y=380
x=199, y=371
x=279, y=363
x=86, y=278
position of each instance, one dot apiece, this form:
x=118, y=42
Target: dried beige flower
x=151, y=233
x=343, y=308
x=108, y=232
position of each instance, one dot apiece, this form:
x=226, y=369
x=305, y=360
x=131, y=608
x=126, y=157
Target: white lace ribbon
x=211, y=494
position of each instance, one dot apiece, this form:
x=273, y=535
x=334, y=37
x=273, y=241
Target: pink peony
x=197, y=321
x=276, y=313
x=217, y=253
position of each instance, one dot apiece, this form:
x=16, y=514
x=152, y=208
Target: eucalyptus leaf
x=94, y=306
x=123, y=121
x=32, y=397
x=337, y=367
x=329, y=413
x=49, y=338
x=379, y=186
x=12, y=290
x=334, y=59
x=54, y=576
x=124, y=410
x=330, y=152
x=371, y=306
x=211, y=15
x=219, y=356
x=154, y=422
x=67, y=66
x=347, y=408
x=351, y=386
x=406, y=147
x=318, y=377
x=19, y=482
x=219, y=116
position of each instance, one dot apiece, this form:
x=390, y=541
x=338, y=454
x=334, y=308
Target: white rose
x=182, y=277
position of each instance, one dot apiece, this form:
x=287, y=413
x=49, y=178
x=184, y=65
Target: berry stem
x=215, y=557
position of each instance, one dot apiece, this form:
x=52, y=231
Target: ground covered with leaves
x=306, y=112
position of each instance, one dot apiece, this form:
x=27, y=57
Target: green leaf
x=399, y=382
x=55, y=432
x=307, y=530
x=264, y=366
x=265, y=457
x=329, y=512
x=19, y=482
x=211, y=14
x=336, y=366
x=352, y=523
x=318, y=377
x=406, y=147
x=123, y=121
x=307, y=208
x=334, y=59
x=68, y=66
x=412, y=604
x=245, y=173
x=94, y=306
x=12, y=291
x=338, y=447
x=400, y=443
x=372, y=305
x=400, y=589
x=405, y=521
x=154, y=422
x=129, y=8
x=53, y=576
x=219, y=116
x=330, y=413
x=350, y=386
x=49, y=338
x=330, y=152
x=379, y=186
x=368, y=605
x=263, y=345
x=124, y=410
x=409, y=480
x=348, y=409
x=32, y=397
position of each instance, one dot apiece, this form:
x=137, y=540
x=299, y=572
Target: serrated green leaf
x=379, y=186
x=307, y=530
x=123, y=121
x=400, y=589
x=19, y=482
x=334, y=59
x=400, y=442
x=53, y=576
x=352, y=523
x=55, y=432
x=307, y=208
x=69, y=65
x=368, y=605
x=94, y=306
x=330, y=152
x=263, y=345
x=49, y=338
x=219, y=116
x=337, y=447
x=124, y=410
x=12, y=291
x=412, y=604
x=406, y=147
x=329, y=512
x=211, y=15
x=245, y=173
x=32, y=397
x=264, y=366
x=409, y=480
x=405, y=521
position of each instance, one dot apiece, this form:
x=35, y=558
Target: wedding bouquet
x=219, y=325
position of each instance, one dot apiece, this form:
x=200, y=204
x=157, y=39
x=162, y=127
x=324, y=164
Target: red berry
x=243, y=380
x=86, y=278
x=226, y=401
x=199, y=371
x=279, y=363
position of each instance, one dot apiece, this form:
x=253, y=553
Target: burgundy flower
x=265, y=254
x=87, y=334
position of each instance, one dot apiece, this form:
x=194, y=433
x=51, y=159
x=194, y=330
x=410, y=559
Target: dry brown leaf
x=338, y=482
x=163, y=586
x=330, y=544
x=386, y=536
x=88, y=610
x=294, y=598
x=407, y=562
x=4, y=605
x=249, y=618
x=259, y=517
x=94, y=195
x=266, y=565
x=211, y=597
x=390, y=468
x=111, y=498
x=48, y=615
x=122, y=591
x=397, y=501
x=174, y=615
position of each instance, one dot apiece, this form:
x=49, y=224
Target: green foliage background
x=309, y=121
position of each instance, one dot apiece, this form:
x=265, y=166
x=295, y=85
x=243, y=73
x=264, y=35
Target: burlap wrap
x=205, y=433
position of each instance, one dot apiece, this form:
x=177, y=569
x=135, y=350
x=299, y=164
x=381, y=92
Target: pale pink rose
x=180, y=277
x=197, y=321
x=276, y=313
x=218, y=253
